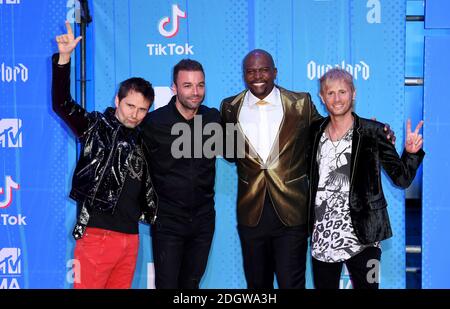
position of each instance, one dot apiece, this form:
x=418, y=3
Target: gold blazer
x=285, y=173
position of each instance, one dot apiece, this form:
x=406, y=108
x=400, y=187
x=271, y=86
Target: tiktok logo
x=9, y=185
x=176, y=15
x=170, y=49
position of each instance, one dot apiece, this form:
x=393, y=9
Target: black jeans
x=363, y=269
x=272, y=247
x=180, y=249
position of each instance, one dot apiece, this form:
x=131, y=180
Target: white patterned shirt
x=333, y=238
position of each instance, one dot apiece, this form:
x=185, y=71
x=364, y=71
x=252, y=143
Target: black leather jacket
x=106, y=149
x=371, y=150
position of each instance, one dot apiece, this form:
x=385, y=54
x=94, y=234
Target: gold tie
x=262, y=103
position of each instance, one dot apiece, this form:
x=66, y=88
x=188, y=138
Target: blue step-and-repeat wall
x=146, y=38
x=436, y=165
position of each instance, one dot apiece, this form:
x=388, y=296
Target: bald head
x=259, y=53
x=259, y=73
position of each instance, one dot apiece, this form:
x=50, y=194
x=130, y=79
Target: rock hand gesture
x=66, y=44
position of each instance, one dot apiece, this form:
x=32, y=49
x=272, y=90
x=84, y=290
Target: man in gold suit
x=272, y=174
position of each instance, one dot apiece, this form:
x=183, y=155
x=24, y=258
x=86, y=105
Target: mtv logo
x=10, y=261
x=11, y=133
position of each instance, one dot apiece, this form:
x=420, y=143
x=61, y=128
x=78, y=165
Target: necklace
x=335, y=146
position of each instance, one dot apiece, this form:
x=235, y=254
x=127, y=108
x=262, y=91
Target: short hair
x=336, y=74
x=186, y=65
x=136, y=84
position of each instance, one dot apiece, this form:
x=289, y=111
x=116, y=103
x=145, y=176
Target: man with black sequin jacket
x=111, y=181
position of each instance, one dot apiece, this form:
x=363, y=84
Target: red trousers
x=107, y=259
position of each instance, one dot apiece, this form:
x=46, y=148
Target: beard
x=192, y=102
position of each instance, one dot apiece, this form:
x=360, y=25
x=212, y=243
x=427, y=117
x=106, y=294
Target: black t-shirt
x=185, y=185
x=127, y=212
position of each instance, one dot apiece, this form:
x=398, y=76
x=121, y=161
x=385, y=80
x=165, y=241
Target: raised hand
x=414, y=140
x=66, y=44
x=390, y=134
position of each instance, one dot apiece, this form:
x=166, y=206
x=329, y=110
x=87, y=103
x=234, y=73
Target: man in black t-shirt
x=183, y=174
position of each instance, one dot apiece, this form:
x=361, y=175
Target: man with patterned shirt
x=347, y=206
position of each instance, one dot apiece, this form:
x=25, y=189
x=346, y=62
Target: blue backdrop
x=134, y=38
x=436, y=213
